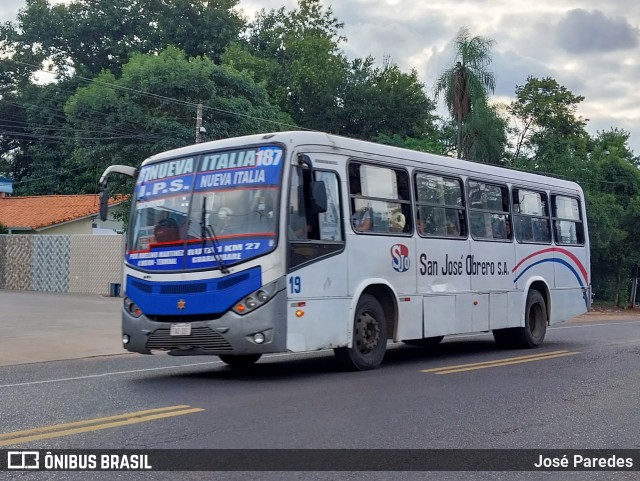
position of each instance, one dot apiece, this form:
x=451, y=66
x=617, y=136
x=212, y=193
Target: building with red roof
x=57, y=214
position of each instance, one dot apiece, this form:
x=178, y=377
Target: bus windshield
x=185, y=208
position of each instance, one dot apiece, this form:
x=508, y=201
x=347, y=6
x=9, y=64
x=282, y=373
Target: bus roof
x=357, y=148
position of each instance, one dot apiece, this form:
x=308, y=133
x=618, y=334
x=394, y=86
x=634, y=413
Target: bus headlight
x=256, y=299
x=250, y=302
x=132, y=308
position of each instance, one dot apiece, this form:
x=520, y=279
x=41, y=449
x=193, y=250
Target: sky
x=591, y=47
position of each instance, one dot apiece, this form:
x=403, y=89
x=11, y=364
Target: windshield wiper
x=207, y=233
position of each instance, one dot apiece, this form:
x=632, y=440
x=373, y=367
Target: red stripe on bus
x=556, y=249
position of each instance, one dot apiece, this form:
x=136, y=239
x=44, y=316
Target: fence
x=87, y=264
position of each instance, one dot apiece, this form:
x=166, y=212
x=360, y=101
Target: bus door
x=442, y=246
x=380, y=243
x=316, y=262
x=492, y=255
x=535, y=257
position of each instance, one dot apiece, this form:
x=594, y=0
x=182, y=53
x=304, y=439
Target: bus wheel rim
x=367, y=333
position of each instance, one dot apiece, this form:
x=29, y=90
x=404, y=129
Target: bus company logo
x=400, y=258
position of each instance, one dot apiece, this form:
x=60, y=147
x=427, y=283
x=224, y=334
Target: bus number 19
x=295, y=284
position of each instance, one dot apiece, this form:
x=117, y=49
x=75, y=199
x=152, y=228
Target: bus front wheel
x=240, y=360
x=535, y=325
x=369, y=342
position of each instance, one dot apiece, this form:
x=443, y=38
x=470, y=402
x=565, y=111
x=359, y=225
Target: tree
x=468, y=82
x=152, y=107
x=34, y=136
x=612, y=190
x=297, y=54
x=94, y=35
x=547, y=130
x=484, y=137
x=384, y=102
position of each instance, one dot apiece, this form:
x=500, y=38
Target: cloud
x=581, y=31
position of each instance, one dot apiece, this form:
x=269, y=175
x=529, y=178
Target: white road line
x=596, y=325
x=164, y=368
x=116, y=373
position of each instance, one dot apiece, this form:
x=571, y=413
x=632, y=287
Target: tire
x=369, y=337
x=426, y=342
x=535, y=325
x=240, y=360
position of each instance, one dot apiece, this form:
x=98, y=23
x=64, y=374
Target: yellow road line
x=499, y=362
x=484, y=363
x=97, y=424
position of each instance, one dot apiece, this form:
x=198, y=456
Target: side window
x=489, y=211
x=311, y=234
x=440, y=206
x=531, y=216
x=380, y=199
x=567, y=220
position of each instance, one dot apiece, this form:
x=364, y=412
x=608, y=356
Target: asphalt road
x=580, y=391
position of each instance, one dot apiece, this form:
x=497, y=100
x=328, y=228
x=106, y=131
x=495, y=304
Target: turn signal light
x=256, y=299
x=132, y=307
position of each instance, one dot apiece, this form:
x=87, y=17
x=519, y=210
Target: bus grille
x=148, y=288
x=204, y=338
x=183, y=288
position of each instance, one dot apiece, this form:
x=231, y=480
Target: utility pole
x=634, y=285
x=198, y=123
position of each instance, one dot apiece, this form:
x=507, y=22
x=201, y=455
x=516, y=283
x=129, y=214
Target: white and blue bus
x=299, y=241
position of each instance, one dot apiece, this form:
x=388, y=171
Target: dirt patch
x=599, y=313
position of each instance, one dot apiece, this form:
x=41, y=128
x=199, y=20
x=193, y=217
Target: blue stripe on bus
x=205, y=296
x=564, y=263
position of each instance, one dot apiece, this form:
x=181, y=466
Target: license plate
x=182, y=329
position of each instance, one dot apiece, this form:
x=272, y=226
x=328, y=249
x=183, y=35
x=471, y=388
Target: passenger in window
x=166, y=230
x=361, y=220
x=397, y=222
x=498, y=230
x=299, y=230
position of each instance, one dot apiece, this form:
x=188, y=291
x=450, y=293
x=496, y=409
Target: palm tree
x=468, y=81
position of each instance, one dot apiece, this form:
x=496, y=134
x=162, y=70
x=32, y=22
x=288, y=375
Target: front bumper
x=228, y=334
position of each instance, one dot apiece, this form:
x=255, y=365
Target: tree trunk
x=618, y=284
x=459, y=148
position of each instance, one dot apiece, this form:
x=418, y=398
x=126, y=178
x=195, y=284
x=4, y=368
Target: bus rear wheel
x=535, y=325
x=369, y=342
x=240, y=360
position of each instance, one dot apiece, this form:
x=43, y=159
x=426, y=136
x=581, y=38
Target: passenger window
x=489, y=211
x=440, y=206
x=380, y=199
x=567, y=220
x=312, y=235
x=531, y=216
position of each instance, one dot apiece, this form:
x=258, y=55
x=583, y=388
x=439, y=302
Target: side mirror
x=318, y=197
x=104, y=203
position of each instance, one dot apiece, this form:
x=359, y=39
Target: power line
x=63, y=118
x=168, y=99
